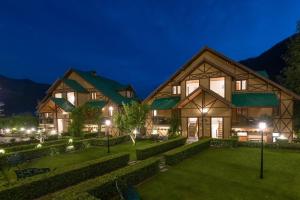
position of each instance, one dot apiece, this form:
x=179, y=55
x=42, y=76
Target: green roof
x=107, y=87
x=96, y=104
x=74, y=85
x=263, y=73
x=63, y=104
x=258, y=99
x=165, y=103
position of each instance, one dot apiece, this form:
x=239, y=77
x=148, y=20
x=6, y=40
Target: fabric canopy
x=165, y=103
x=255, y=99
x=63, y=104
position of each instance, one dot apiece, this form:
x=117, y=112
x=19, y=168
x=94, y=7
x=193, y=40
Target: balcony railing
x=46, y=121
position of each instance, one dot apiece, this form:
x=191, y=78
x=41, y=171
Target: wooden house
x=214, y=96
x=77, y=88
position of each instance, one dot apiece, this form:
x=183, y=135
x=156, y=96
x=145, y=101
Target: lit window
x=154, y=113
x=218, y=85
x=176, y=89
x=241, y=85
x=128, y=93
x=110, y=109
x=275, y=136
x=58, y=95
x=191, y=86
x=94, y=95
x=71, y=97
x=242, y=134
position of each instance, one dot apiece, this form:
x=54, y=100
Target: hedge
x=154, y=149
x=224, y=142
x=112, y=141
x=276, y=145
x=176, y=155
x=32, y=146
x=104, y=187
x=60, y=179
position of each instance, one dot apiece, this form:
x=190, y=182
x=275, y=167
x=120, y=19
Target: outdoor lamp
x=107, y=123
x=70, y=141
x=204, y=110
x=262, y=126
x=7, y=130
x=2, y=151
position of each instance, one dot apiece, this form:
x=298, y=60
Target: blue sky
x=137, y=42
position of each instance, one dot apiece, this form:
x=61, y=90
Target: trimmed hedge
x=224, y=143
x=104, y=187
x=154, y=149
x=60, y=179
x=276, y=145
x=32, y=146
x=112, y=141
x=176, y=155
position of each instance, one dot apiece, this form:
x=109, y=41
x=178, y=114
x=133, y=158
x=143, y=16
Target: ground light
x=262, y=126
x=2, y=151
x=107, y=124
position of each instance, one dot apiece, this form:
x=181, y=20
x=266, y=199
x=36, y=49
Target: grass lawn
x=228, y=174
x=73, y=158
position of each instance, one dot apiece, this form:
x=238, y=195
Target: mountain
x=271, y=60
x=20, y=95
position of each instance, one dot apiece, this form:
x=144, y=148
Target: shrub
x=13, y=143
x=154, y=149
x=224, y=142
x=60, y=179
x=176, y=155
x=104, y=187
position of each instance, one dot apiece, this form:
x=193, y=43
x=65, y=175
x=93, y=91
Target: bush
x=176, y=155
x=224, y=142
x=60, y=179
x=104, y=187
x=14, y=143
x=154, y=149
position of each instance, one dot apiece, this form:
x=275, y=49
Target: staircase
x=162, y=164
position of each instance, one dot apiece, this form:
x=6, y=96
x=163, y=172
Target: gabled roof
x=63, y=104
x=254, y=99
x=107, y=87
x=229, y=61
x=165, y=103
x=74, y=85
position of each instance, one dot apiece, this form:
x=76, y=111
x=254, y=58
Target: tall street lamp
x=262, y=126
x=107, y=124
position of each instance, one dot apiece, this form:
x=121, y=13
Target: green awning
x=263, y=73
x=257, y=99
x=63, y=104
x=74, y=85
x=165, y=103
x=96, y=104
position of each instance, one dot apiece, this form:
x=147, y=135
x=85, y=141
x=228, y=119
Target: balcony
x=46, y=121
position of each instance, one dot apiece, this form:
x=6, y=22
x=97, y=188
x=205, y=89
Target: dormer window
x=240, y=85
x=176, y=89
x=217, y=85
x=94, y=95
x=58, y=95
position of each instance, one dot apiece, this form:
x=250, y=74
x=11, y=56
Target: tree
x=174, y=124
x=291, y=73
x=84, y=115
x=132, y=119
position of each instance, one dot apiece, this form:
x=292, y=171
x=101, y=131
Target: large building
x=77, y=88
x=217, y=97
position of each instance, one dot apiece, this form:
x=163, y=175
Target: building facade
x=214, y=96
x=77, y=88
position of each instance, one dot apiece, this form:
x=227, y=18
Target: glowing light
x=7, y=130
x=53, y=132
x=22, y=129
x=110, y=110
x=204, y=110
x=70, y=141
x=70, y=147
x=2, y=151
x=282, y=137
x=39, y=146
x=14, y=129
x=154, y=113
x=32, y=129
x=39, y=131
x=28, y=131
x=135, y=131
x=262, y=125
x=107, y=122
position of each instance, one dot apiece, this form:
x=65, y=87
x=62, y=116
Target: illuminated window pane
x=58, y=95
x=71, y=97
x=218, y=85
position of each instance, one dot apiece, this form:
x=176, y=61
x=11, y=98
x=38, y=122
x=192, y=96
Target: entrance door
x=193, y=128
x=217, y=127
x=60, y=125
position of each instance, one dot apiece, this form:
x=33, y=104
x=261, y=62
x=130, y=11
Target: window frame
x=224, y=85
x=241, y=81
x=177, y=89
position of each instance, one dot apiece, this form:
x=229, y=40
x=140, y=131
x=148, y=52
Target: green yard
x=73, y=158
x=228, y=174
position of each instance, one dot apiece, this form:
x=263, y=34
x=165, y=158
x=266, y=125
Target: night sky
x=138, y=42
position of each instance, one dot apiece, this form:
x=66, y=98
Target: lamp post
x=107, y=124
x=262, y=126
